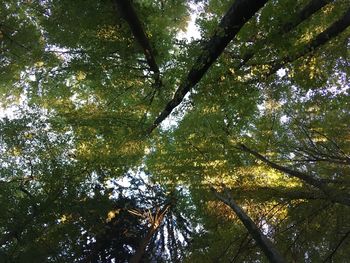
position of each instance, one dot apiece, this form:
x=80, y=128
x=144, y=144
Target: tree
x=93, y=171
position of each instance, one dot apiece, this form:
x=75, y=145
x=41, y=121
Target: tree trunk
x=263, y=242
x=156, y=222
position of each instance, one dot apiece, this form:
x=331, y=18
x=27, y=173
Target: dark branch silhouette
x=311, y=8
x=263, y=242
x=336, y=195
x=155, y=221
x=238, y=14
x=331, y=32
x=129, y=14
x=228, y=28
x=341, y=241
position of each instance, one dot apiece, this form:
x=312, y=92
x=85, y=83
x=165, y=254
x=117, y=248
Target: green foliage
x=81, y=179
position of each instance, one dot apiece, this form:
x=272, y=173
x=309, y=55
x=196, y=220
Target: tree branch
x=334, y=194
x=329, y=257
x=305, y=177
x=238, y=14
x=156, y=219
x=264, y=243
x=129, y=14
x=311, y=8
x=331, y=32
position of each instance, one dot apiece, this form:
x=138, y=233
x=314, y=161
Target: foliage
x=88, y=175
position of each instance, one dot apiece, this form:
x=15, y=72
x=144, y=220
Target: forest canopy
x=121, y=140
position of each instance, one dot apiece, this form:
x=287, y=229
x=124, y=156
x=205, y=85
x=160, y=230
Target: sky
x=192, y=32
x=192, y=29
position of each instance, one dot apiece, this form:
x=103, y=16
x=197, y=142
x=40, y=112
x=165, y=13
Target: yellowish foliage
x=15, y=151
x=112, y=214
x=219, y=209
x=108, y=33
x=131, y=147
x=65, y=218
x=39, y=64
x=81, y=75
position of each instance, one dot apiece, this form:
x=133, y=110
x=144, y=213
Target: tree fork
x=156, y=221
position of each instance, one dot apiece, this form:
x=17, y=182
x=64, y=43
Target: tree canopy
x=122, y=141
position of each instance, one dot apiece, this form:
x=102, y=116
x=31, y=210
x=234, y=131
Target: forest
x=126, y=136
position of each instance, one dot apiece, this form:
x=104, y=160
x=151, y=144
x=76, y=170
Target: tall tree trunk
x=263, y=242
x=156, y=222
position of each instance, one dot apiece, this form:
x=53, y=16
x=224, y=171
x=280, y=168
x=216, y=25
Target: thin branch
x=305, y=177
x=156, y=220
x=329, y=257
x=333, y=194
x=243, y=243
x=331, y=32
